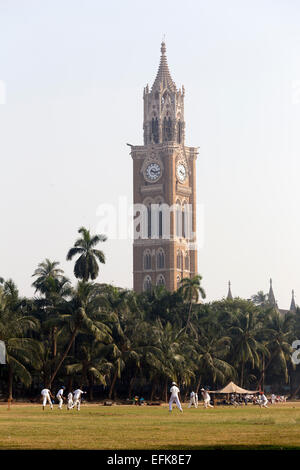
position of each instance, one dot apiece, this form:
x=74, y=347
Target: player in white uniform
x=174, y=390
x=70, y=401
x=77, y=398
x=196, y=399
x=206, y=398
x=263, y=401
x=46, y=394
x=273, y=398
x=192, y=400
x=60, y=397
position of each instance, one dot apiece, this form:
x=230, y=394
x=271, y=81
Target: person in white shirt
x=70, y=401
x=60, y=397
x=47, y=395
x=77, y=398
x=206, y=398
x=273, y=398
x=192, y=400
x=174, y=390
x=263, y=400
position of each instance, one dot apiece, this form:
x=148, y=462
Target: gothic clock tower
x=164, y=190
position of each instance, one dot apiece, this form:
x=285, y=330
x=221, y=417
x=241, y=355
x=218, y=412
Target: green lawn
x=130, y=427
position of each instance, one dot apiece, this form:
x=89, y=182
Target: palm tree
x=278, y=333
x=172, y=362
x=86, y=266
x=192, y=290
x=260, y=299
x=90, y=363
x=246, y=347
x=46, y=271
x=85, y=315
x=55, y=289
x=211, y=351
x=22, y=352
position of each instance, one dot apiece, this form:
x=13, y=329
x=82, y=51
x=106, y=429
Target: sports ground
x=150, y=427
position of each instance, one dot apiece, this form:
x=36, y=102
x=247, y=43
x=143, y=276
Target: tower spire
x=163, y=78
x=293, y=303
x=229, y=295
x=271, y=296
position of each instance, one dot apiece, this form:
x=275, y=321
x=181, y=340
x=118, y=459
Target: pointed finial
x=163, y=48
x=293, y=307
x=271, y=282
x=229, y=295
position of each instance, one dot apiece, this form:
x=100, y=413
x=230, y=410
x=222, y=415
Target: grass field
x=129, y=427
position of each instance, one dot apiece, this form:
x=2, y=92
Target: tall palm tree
x=86, y=267
x=173, y=363
x=211, y=353
x=278, y=332
x=85, y=315
x=22, y=352
x=246, y=347
x=90, y=364
x=55, y=288
x=46, y=271
x=260, y=299
x=192, y=290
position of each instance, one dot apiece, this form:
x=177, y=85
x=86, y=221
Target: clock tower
x=164, y=190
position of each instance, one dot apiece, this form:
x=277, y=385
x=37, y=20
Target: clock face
x=153, y=171
x=181, y=172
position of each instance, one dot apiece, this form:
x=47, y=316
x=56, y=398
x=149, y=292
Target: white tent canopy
x=233, y=388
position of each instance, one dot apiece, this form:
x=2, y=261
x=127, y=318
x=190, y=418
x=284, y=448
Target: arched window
x=147, y=286
x=147, y=260
x=160, y=280
x=167, y=129
x=160, y=223
x=149, y=220
x=179, y=260
x=187, y=262
x=154, y=130
x=179, y=132
x=178, y=220
x=178, y=282
x=186, y=221
x=160, y=259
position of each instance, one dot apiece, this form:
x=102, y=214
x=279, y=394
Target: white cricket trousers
x=192, y=402
x=60, y=402
x=76, y=403
x=176, y=399
x=207, y=403
x=46, y=398
x=70, y=404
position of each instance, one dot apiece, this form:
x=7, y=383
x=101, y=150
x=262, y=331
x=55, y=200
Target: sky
x=72, y=75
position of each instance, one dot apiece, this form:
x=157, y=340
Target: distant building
x=271, y=300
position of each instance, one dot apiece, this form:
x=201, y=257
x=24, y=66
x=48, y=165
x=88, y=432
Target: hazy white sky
x=74, y=73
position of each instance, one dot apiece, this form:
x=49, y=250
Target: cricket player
x=192, y=400
x=273, y=398
x=263, y=400
x=47, y=395
x=60, y=397
x=174, y=390
x=70, y=401
x=206, y=398
x=77, y=398
x=196, y=399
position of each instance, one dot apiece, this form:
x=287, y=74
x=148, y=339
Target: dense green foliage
x=117, y=343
